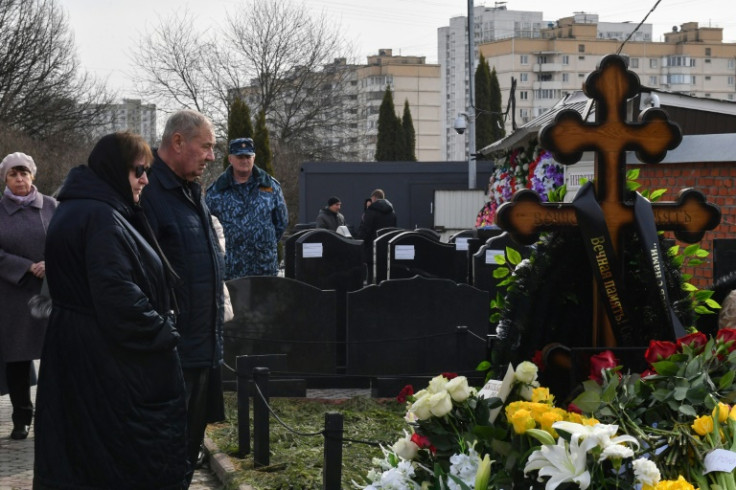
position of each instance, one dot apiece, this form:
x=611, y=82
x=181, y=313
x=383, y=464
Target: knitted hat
x=16, y=159
x=333, y=200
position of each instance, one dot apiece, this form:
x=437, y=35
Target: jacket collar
x=226, y=179
x=12, y=206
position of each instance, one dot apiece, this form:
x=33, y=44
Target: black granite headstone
x=724, y=257
x=417, y=326
x=412, y=254
x=428, y=233
x=290, y=251
x=484, y=263
x=327, y=260
x=466, y=244
x=276, y=315
x=380, y=253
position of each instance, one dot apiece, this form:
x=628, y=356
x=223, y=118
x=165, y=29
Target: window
x=524, y=59
x=565, y=77
x=680, y=78
x=732, y=63
x=542, y=59
x=523, y=95
x=680, y=61
x=523, y=77
x=707, y=52
x=545, y=77
x=634, y=62
x=565, y=59
x=653, y=63
x=546, y=94
x=652, y=80
x=731, y=80
x=581, y=48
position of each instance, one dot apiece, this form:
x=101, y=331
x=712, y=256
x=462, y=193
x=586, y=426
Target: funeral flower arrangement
x=671, y=427
x=519, y=170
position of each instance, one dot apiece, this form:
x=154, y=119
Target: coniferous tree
x=410, y=137
x=483, y=122
x=388, y=129
x=239, y=124
x=262, y=142
x=499, y=131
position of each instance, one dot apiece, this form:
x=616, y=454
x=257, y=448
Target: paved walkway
x=16, y=457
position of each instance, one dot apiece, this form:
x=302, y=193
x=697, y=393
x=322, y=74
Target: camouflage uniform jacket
x=254, y=216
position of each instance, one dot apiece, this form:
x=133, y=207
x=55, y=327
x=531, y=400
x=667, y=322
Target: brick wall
x=717, y=181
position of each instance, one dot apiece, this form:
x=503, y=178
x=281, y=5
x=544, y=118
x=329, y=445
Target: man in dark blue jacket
x=182, y=224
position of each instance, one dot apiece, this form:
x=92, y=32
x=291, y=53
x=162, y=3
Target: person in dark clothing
x=380, y=214
x=181, y=222
x=330, y=217
x=111, y=399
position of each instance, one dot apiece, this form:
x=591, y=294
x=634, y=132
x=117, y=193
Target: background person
x=380, y=214
x=182, y=224
x=111, y=396
x=329, y=217
x=25, y=214
x=251, y=207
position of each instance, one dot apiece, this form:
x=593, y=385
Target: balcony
x=547, y=67
x=551, y=85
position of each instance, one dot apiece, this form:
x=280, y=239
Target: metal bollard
x=260, y=419
x=332, y=473
x=241, y=368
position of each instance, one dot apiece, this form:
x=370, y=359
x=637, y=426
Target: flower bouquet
x=670, y=427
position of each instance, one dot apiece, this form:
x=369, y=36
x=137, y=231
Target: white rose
x=406, y=449
x=440, y=404
x=458, y=388
x=526, y=392
x=421, y=408
x=437, y=384
x=526, y=372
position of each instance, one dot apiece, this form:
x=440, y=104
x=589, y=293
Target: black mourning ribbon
x=606, y=266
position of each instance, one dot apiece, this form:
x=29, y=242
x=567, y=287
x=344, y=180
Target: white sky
x=106, y=32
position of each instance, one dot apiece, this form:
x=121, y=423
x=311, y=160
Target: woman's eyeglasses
x=140, y=170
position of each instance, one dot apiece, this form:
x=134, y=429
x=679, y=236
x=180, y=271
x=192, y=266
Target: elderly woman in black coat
x=111, y=410
x=25, y=214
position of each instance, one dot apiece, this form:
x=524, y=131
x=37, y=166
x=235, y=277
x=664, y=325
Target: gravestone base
x=291, y=388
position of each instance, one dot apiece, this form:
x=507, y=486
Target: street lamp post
x=470, y=111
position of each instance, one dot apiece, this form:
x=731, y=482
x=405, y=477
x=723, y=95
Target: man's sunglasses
x=140, y=169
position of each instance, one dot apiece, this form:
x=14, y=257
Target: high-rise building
x=507, y=27
x=131, y=115
x=490, y=23
x=692, y=60
x=410, y=79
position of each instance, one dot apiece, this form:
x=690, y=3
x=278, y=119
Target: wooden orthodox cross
x=610, y=136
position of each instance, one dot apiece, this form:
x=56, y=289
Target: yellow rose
x=542, y=394
x=703, y=425
x=720, y=412
x=522, y=421
x=732, y=413
x=549, y=418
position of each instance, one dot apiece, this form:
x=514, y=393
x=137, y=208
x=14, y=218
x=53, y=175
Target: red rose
x=449, y=376
x=647, y=373
x=407, y=390
x=695, y=340
x=423, y=442
x=538, y=359
x=658, y=350
x=726, y=335
x=598, y=362
x=574, y=408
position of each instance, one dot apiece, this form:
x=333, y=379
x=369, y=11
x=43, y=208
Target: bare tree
x=42, y=90
x=273, y=53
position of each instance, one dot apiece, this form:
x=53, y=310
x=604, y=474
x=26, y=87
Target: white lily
x=562, y=462
x=601, y=435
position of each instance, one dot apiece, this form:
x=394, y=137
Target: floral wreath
x=518, y=171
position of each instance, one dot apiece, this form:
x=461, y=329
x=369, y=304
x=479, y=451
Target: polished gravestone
x=724, y=257
x=405, y=328
x=327, y=260
x=276, y=315
x=290, y=251
x=380, y=253
x=466, y=244
x=484, y=261
x=414, y=254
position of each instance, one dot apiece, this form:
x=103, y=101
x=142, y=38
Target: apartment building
x=691, y=60
x=489, y=24
x=130, y=114
x=350, y=127
x=411, y=79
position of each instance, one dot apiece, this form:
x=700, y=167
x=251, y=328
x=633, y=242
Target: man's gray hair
x=185, y=122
